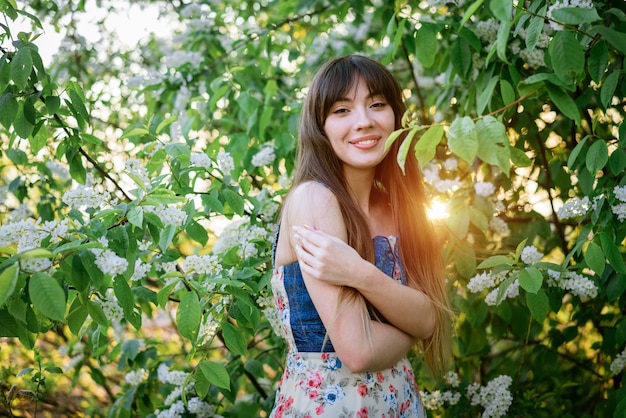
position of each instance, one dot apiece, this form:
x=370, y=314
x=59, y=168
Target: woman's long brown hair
x=420, y=248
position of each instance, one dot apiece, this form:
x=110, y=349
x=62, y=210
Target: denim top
x=306, y=326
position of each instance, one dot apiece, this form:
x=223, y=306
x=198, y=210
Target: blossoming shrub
x=140, y=188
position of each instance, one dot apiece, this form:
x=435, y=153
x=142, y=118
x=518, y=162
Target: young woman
x=358, y=278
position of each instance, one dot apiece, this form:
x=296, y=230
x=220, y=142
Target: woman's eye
x=379, y=104
x=340, y=110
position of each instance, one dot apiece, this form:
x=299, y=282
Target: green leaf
x=485, y=95
x=507, y=92
x=502, y=9
x=617, y=161
x=393, y=136
x=234, y=201
x=21, y=67
x=613, y=37
x=459, y=223
x=598, y=61
x=612, y=253
x=8, y=280
x=597, y=156
x=461, y=57
x=166, y=236
x=405, y=146
x=165, y=123
x=188, y=316
x=502, y=39
x=77, y=170
x=571, y=160
x=197, y=232
x=538, y=305
x=564, y=103
x=462, y=139
x=8, y=109
x=124, y=295
x=78, y=105
x=464, y=259
x=567, y=56
x=492, y=139
x=47, y=296
x=470, y=11
x=234, y=339
x=426, y=147
x=575, y=15
x=495, y=261
x=594, y=256
x=215, y=373
x=426, y=45
x=530, y=279
x=135, y=216
x=609, y=85
x=534, y=29
x=23, y=127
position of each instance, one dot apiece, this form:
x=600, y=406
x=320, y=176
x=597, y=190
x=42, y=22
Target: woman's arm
x=347, y=324
x=329, y=259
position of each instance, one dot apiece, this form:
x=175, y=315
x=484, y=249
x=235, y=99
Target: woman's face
x=358, y=126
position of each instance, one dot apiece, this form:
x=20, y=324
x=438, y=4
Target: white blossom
x=619, y=363
x=499, y=226
x=134, y=167
x=141, y=270
x=484, y=188
x=620, y=193
x=495, y=397
x=533, y=57
x=452, y=378
x=451, y=164
x=240, y=234
x=203, y=264
x=26, y=234
x=178, y=58
x=225, y=162
x=135, y=377
x=619, y=211
x=57, y=169
x=481, y=281
x=200, y=159
x=169, y=215
x=265, y=156
x=573, y=208
x=86, y=196
x=530, y=255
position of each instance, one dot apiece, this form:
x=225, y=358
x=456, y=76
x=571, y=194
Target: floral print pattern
x=316, y=384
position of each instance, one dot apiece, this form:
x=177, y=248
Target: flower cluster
x=203, y=264
x=619, y=209
x=107, y=261
x=619, y=363
x=241, y=234
x=573, y=208
x=26, y=234
x=200, y=159
x=182, y=386
x=135, y=377
x=530, y=255
x=140, y=173
x=495, y=397
x=491, y=281
x=572, y=282
x=169, y=215
x=271, y=314
x=111, y=308
x=484, y=188
x=225, y=162
x=141, y=270
x=86, y=196
x=264, y=157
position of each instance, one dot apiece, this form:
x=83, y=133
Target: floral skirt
x=317, y=385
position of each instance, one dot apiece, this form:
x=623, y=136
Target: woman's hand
x=326, y=257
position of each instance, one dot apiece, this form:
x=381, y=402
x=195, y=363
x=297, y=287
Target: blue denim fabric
x=307, y=327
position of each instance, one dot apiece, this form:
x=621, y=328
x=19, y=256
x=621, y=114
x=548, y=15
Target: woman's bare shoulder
x=313, y=204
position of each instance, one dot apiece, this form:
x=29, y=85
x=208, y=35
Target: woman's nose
x=363, y=119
